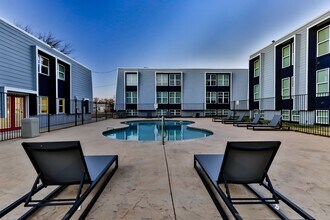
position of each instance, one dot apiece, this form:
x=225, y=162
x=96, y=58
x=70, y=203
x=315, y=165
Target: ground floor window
x=175, y=112
x=322, y=116
x=161, y=112
x=61, y=105
x=286, y=115
x=222, y=112
x=43, y=105
x=257, y=111
x=210, y=112
x=131, y=112
x=295, y=116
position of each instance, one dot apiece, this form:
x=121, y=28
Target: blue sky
x=106, y=34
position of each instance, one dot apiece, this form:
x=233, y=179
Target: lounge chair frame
x=75, y=202
x=220, y=119
x=232, y=121
x=255, y=120
x=214, y=189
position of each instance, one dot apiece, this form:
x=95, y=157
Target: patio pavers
x=140, y=187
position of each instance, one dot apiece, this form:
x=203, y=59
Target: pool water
x=152, y=131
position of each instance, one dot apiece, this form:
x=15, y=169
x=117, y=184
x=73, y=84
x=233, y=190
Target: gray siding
x=18, y=64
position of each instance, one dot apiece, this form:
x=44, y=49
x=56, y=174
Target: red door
x=15, y=112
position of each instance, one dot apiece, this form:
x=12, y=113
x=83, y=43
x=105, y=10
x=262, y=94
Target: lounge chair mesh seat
x=63, y=164
x=231, y=121
x=275, y=123
x=243, y=163
x=220, y=119
x=255, y=120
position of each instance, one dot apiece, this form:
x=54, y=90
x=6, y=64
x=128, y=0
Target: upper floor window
x=162, y=79
x=131, y=79
x=223, y=79
x=43, y=65
x=223, y=97
x=61, y=71
x=323, y=41
x=286, y=88
x=43, y=105
x=162, y=97
x=175, y=97
x=256, y=93
x=211, y=79
x=175, y=79
x=211, y=97
x=131, y=97
x=286, y=59
x=256, y=68
x=322, y=82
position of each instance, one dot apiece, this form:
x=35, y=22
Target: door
x=15, y=112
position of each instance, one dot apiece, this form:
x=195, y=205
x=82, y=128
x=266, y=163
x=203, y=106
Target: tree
x=49, y=39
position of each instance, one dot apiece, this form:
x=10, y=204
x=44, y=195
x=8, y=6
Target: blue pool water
x=152, y=131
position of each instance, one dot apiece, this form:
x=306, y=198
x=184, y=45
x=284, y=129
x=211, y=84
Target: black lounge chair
x=62, y=164
x=220, y=118
x=231, y=121
x=243, y=163
x=246, y=123
x=274, y=124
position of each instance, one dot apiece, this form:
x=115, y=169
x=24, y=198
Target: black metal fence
x=52, y=114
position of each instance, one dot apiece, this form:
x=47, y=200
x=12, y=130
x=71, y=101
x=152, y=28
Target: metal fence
x=52, y=114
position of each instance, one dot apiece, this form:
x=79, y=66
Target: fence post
x=96, y=110
x=48, y=120
x=76, y=112
x=82, y=111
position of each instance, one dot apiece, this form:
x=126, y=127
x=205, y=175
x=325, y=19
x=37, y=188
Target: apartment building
x=37, y=80
x=291, y=75
x=180, y=92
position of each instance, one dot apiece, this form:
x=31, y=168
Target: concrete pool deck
x=140, y=187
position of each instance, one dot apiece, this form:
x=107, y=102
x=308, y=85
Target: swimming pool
x=151, y=130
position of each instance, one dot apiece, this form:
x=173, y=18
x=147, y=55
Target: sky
x=107, y=34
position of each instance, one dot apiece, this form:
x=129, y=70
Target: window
x=257, y=111
x=323, y=41
x=223, y=97
x=322, y=82
x=211, y=79
x=131, y=112
x=131, y=79
x=295, y=116
x=256, y=68
x=286, y=88
x=211, y=97
x=43, y=65
x=210, y=112
x=175, y=97
x=175, y=79
x=286, y=56
x=61, y=71
x=286, y=115
x=175, y=112
x=322, y=116
x=223, y=112
x=131, y=97
x=162, y=97
x=162, y=79
x=161, y=112
x=61, y=105
x=256, y=93
x=223, y=79
x=43, y=105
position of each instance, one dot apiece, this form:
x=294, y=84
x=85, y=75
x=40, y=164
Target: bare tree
x=49, y=39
